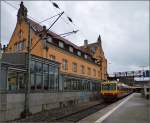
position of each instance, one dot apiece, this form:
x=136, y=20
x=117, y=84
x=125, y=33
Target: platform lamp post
x=26, y=111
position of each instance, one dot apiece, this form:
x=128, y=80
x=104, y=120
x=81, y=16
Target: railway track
x=58, y=113
x=68, y=115
x=77, y=116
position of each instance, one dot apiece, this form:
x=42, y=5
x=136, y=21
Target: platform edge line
x=111, y=111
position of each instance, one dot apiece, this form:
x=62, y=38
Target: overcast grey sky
x=123, y=26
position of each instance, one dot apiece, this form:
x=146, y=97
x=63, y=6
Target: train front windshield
x=111, y=86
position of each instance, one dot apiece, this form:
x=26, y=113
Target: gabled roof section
x=37, y=27
x=91, y=48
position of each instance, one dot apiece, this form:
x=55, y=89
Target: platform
x=132, y=109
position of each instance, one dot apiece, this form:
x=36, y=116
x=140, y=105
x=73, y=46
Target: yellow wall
x=60, y=54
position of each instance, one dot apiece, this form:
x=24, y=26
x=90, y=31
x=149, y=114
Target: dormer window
x=70, y=49
x=49, y=39
x=61, y=44
x=79, y=53
x=85, y=56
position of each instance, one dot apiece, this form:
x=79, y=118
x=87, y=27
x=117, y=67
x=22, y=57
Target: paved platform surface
x=132, y=109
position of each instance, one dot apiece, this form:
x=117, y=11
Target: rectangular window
x=61, y=44
x=74, y=67
x=82, y=69
x=45, y=68
x=53, y=78
x=15, y=80
x=49, y=39
x=38, y=81
x=99, y=74
x=94, y=72
x=15, y=47
x=71, y=49
x=89, y=71
x=19, y=46
x=22, y=45
x=79, y=53
x=85, y=56
x=12, y=81
x=32, y=82
x=52, y=57
x=51, y=81
x=21, y=83
x=32, y=66
x=46, y=81
x=64, y=64
x=38, y=67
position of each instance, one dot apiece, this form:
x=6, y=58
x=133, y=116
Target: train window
x=109, y=87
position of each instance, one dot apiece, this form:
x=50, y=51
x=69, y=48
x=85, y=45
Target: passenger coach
x=114, y=90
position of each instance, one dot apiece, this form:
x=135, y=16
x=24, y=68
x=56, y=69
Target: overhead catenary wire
x=49, y=18
x=33, y=19
x=62, y=18
x=70, y=20
x=47, y=30
x=45, y=20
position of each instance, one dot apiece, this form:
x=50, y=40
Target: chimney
x=44, y=28
x=4, y=48
x=85, y=43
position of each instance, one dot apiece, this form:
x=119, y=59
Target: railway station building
x=60, y=70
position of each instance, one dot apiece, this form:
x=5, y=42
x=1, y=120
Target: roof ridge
x=89, y=44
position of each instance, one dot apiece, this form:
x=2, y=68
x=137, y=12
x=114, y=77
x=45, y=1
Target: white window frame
x=71, y=49
x=85, y=56
x=61, y=44
x=79, y=53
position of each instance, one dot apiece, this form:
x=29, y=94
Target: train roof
x=114, y=82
